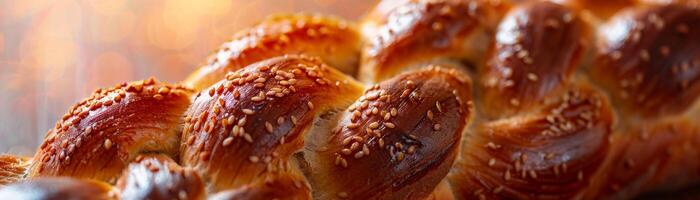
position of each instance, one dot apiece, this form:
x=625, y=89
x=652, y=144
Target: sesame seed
x=439, y=107
x=311, y=105
x=514, y=102
x=242, y=121
x=280, y=120
x=580, y=175
x=253, y=159
x=354, y=146
x=411, y=149
x=163, y=90
x=248, y=138
x=430, y=114
x=373, y=125
x=437, y=26
x=268, y=127
x=568, y=17
x=108, y=144
x=353, y=125
x=346, y=151
x=343, y=194
x=498, y=189
x=531, y=76
x=359, y=154
x=533, y=174
x=347, y=141
x=256, y=98
x=227, y=141
x=389, y=125
x=492, y=145
x=405, y=93
x=394, y=112
x=230, y=120
x=644, y=54
x=248, y=111
x=492, y=162
x=436, y=127
x=294, y=120
x=372, y=96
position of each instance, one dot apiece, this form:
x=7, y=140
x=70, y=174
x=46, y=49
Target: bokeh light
x=54, y=53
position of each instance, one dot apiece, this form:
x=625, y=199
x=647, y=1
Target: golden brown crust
x=13, y=168
x=333, y=39
x=536, y=50
x=551, y=154
x=397, y=141
x=419, y=31
x=247, y=126
x=648, y=60
x=286, y=187
x=100, y=135
x=651, y=156
x=51, y=188
x=159, y=177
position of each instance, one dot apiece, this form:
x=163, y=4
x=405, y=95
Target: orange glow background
x=54, y=53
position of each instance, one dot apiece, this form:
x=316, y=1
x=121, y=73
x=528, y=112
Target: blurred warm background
x=55, y=52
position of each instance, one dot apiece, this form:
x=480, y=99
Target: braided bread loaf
x=454, y=99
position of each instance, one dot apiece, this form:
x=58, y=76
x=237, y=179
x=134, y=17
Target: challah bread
x=464, y=99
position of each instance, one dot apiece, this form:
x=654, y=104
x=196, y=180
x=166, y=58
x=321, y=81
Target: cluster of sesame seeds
x=276, y=34
x=558, y=124
x=375, y=104
x=100, y=99
x=572, y=112
x=420, y=20
x=273, y=162
x=264, y=84
x=370, y=119
x=514, y=49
